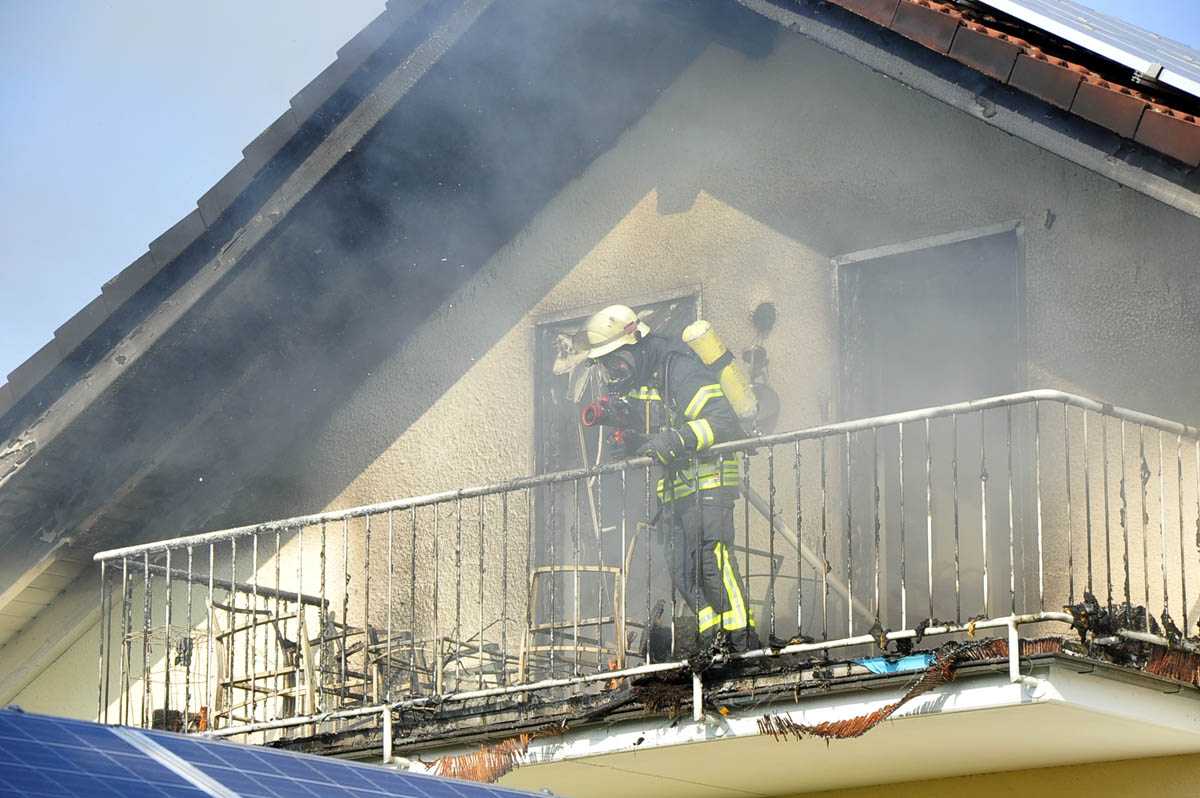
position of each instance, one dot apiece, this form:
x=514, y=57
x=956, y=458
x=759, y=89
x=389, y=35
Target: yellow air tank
x=703, y=340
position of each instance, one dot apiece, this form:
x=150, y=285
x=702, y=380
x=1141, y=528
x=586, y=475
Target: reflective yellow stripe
x=701, y=399
x=735, y=618
x=707, y=477
x=708, y=619
x=645, y=392
x=704, y=433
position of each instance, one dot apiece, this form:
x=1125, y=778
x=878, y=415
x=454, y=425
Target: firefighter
x=681, y=411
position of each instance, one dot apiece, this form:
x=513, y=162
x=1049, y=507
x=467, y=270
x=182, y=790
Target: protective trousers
x=706, y=526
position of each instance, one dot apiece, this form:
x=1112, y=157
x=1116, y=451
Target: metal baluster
x=344, y=691
x=126, y=639
x=302, y=626
x=102, y=674
x=232, y=597
x=209, y=694
x=1162, y=523
x=1087, y=502
x=983, y=505
x=246, y=649
x=1182, y=551
x=598, y=519
x=458, y=580
x=1143, y=478
x=368, y=671
x=325, y=608
x=849, y=544
x=278, y=593
x=824, y=546
x=482, y=572
x=875, y=487
x=187, y=667
x=983, y=508
x=623, y=560
x=698, y=596
x=650, y=579
x=504, y=587
x=1012, y=549
x=1070, y=536
x=529, y=545
x=957, y=560
x=1184, y=562
x=575, y=569
x=1107, y=514
x=412, y=605
x=1125, y=518
x=770, y=538
x=746, y=562
x=929, y=515
x=1037, y=482
x=436, y=637
x=391, y=567
x=903, y=538
x=167, y=580
x=799, y=547
x=147, y=613
x=252, y=649
x=552, y=533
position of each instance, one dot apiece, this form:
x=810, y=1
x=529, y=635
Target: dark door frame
x=1017, y=227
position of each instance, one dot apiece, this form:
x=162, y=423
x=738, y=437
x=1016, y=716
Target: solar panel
x=1111, y=38
x=41, y=755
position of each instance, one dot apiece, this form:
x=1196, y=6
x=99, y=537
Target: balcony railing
x=917, y=522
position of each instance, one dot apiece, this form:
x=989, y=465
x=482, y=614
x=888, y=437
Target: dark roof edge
x=210, y=206
x=1061, y=133
x=447, y=22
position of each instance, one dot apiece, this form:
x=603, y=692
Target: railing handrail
x=521, y=483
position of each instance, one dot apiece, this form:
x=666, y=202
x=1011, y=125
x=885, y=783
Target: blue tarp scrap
x=913, y=662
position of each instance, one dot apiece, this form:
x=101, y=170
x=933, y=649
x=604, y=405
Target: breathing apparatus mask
x=619, y=369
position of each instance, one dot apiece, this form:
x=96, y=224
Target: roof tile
x=30, y=373
x=126, y=284
x=1049, y=79
x=270, y=141
x=167, y=246
x=7, y=400
x=322, y=87
x=880, y=11
x=367, y=40
x=218, y=198
x=72, y=333
x=930, y=24
x=1171, y=132
x=991, y=52
x=1107, y=104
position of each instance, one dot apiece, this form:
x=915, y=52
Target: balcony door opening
x=928, y=323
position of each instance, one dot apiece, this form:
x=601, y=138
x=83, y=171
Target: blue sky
x=119, y=114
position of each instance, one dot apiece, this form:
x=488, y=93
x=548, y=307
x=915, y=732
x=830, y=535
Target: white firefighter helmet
x=612, y=328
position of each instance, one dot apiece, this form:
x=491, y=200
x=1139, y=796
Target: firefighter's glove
x=664, y=447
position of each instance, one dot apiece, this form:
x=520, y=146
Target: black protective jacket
x=675, y=390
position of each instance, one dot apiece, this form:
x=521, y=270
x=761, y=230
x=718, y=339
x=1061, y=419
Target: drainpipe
x=1014, y=657
x=387, y=735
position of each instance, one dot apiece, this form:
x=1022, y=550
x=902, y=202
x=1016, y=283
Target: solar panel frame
x=1110, y=38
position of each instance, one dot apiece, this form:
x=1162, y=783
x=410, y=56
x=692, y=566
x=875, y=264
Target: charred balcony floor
x=480, y=738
